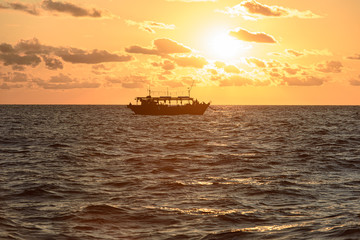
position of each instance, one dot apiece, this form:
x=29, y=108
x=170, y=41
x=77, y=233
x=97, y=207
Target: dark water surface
x=240, y=172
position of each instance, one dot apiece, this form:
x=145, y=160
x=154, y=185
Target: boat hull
x=191, y=109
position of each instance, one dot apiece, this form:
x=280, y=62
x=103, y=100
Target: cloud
x=166, y=65
x=7, y=86
x=16, y=59
x=52, y=63
x=134, y=81
x=305, y=52
x=15, y=77
x=70, y=85
x=274, y=73
x=169, y=46
x=142, y=50
x=62, y=82
x=291, y=71
x=70, y=8
x=355, y=82
x=94, y=57
x=227, y=68
x=294, y=53
x=32, y=46
x=61, y=78
x=245, y=35
x=173, y=84
x=28, y=8
x=27, y=52
x=330, y=67
x=18, y=68
x=6, y=48
x=149, y=26
x=252, y=10
x=231, y=69
x=191, y=61
x=274, y=63
x=212, y=71
x=256, y=62
x=162, y=46
x=56, y=7
x=238, y=80
x=101, y=67
x=219, y=64
x=355, y=57
x=112, y=80
x=303, y=81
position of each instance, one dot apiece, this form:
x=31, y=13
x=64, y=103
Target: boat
x=168, y=105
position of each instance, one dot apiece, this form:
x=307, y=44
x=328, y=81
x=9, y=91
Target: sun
x=222, y=46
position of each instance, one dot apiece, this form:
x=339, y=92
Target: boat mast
x=189, y=89
x=149, y=90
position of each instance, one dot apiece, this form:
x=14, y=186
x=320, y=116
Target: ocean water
x=237, y=172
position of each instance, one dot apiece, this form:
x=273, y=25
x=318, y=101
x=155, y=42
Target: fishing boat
x=168, y=105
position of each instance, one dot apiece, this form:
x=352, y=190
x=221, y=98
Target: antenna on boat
x=189, y=89
x=149, y=90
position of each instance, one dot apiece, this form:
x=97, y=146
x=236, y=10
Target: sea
x=236, y=172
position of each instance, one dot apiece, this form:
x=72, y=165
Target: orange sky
x=236, y=52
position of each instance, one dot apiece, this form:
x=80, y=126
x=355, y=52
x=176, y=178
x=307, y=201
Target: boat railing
x=166, y=99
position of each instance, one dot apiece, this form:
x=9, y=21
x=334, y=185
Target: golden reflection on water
x=204, y=211
x=222, y=181
x=193, y=182
x=270, y=228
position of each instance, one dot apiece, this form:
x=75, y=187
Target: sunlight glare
x=222, y=46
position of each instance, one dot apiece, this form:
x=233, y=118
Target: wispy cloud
x=134, y=81
x=14, y=77
x=93, y=57
x=17, y=59
x=162, y=47
x=296, y=53
x=57, y=8
x=227, y=68
x=355, y=82
x=32, y=52
x=191, y=61
x=304, y=81
x=245, y=35
x=256, y=62
x=28, y=8
x=167, y=65
x=251, y=9
x=330, y=67
x=70, y=8
x=6, y=86
x=62, y=81
x=354, y=57
x=149, y=26
x=52, y=63
x=240, y=80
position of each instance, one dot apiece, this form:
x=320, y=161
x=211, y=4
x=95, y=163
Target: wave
x=226, y=235
x=241, y=172
x=38, y=192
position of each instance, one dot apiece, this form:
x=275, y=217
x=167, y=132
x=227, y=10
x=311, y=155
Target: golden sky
x=235, y=52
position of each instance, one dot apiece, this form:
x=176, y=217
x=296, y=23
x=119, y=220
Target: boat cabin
x=165, y=100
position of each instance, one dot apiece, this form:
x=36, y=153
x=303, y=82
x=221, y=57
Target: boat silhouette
x=168, y=105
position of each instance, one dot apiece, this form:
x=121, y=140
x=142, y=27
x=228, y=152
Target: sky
x=244, y=52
